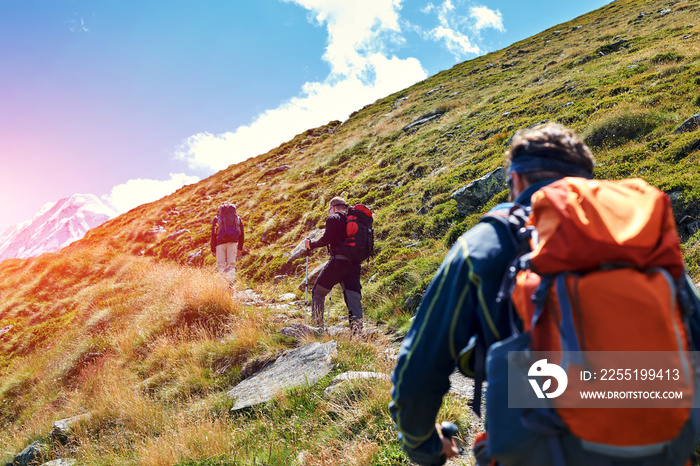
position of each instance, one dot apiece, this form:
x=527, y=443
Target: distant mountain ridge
x=54, y=226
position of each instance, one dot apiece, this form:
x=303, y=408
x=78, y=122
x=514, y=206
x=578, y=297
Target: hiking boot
x=317, y=317
x=317, y=313
x=356, y=331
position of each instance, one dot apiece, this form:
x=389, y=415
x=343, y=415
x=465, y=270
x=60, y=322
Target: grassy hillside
x=132, y=325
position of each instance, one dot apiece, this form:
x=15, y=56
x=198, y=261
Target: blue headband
x=546, y=161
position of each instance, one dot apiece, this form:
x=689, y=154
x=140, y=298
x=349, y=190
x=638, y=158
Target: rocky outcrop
x=301, y=366
x=422, y=120
x=299, y=250
x=276, y=170
x=473, y=196
x=691, y=124
x=60, y=435
x=311, y=279
x=298, y=330
x=177, y=234
x=30, y=455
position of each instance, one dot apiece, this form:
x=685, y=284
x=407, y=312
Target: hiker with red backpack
x=349, y=236
x=226, y=241
x=541, y=299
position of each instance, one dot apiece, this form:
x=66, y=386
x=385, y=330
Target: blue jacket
x=459, y=303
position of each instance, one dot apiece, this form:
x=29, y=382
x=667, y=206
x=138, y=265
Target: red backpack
x=359, y=235
x=603, y=300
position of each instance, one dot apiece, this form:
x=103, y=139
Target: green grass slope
x=133, y=325
x=625, y=77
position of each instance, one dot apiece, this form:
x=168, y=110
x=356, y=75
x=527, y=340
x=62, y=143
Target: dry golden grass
x=104, y=323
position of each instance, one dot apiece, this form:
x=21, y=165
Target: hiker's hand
x=307, y=243
x=449, y=448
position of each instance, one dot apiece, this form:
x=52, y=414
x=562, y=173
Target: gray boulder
x=274, y=171
x=691, y=124
x=477, y=193
x=693, y=227
x=177, y=234
x=61, y=433
x=301, y=366
x=423, y=120
x=313, y=275
x=300, y=249
x=30, y=455
x=62, y=428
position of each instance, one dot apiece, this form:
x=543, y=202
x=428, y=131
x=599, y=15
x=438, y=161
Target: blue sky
x=131, y=99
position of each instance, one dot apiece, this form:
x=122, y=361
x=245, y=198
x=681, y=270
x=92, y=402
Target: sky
x=130, y=100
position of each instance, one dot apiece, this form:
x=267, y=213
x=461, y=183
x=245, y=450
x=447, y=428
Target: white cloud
x=427, y=8
x=136, y=192
x=453, y=26
x=360, y=34
x=486, y=18
x=355, y=28
x=457, y=44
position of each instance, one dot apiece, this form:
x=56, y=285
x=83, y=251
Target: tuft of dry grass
x=104, y=324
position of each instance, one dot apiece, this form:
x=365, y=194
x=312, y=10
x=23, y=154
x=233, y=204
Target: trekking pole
x=306, y=291
x=449, y=429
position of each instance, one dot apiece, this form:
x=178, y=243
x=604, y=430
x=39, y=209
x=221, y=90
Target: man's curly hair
x=552, y=138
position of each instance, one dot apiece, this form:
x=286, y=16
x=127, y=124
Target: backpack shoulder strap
x=689, y=298
x=514, y=217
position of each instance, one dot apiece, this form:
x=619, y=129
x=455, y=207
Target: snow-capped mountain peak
x=54, y=226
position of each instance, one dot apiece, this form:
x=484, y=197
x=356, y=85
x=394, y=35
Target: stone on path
x=301, y=366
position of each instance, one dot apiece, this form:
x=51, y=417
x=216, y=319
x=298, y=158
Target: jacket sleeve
x=451, y=311
x=331, y=231
x=212, y=240
x=693, y=313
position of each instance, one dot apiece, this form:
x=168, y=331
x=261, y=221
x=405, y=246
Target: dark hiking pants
x=348, y=275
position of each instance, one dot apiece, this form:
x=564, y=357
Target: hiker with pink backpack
x=572, y=302
x=226, y=241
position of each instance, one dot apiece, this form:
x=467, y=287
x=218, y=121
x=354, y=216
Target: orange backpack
x=603, y=296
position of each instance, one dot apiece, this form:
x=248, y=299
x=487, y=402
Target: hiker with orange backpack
x=349, y=236
x=532, y=297
x=226, y=242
